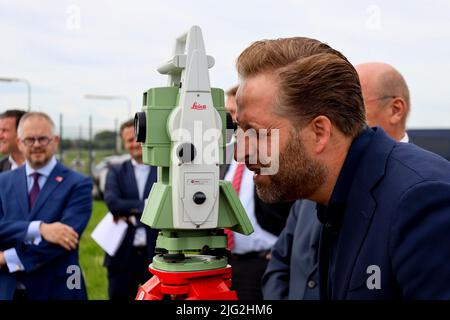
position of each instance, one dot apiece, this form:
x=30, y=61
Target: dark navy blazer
x=292, y=272
x=65, y=197
x=122, y=199
x=395, y=227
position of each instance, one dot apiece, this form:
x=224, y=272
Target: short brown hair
x=126, y=124
x=13, y=113
x=314, y=79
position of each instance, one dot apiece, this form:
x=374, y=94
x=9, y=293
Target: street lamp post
x=23, y=81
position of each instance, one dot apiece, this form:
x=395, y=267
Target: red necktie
x=34, y=189
x=236, y=182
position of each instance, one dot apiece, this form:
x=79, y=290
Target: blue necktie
x=34, y=190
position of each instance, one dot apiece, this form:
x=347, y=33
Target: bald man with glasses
x=44, y=209
x=386, y=98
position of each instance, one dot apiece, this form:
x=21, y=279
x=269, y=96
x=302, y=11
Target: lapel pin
x=59, y=179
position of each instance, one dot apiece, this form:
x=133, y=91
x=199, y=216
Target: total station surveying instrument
x=182, y=128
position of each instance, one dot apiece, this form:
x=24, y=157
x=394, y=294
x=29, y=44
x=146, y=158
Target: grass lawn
x=91, y=257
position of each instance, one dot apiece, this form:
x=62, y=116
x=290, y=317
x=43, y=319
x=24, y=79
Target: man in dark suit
x=127, y=187
x=44, y=208
x=387, y=103
x=292, y=272
x=383, y=205
x=9, y=121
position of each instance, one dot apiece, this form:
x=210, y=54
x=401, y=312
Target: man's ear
x=397, y=110
x=19, y=144
x=57, y=139
x=320, y=130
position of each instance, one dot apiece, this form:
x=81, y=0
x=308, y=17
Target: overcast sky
x=67, y=49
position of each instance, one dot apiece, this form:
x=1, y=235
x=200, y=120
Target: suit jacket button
x=312, y=284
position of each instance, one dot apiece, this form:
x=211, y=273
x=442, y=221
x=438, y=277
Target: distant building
x=434, y=140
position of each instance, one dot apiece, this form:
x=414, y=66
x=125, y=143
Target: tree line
x=101, y=140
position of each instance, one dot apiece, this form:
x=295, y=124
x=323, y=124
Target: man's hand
x=2, y=259
x=59, y=233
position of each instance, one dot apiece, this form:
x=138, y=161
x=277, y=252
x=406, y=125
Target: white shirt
x=405, y=138
x=44, y=173
x=141, y=172
x=260, y=239
x=14, y=164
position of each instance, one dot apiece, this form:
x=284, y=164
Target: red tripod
x=195, y=285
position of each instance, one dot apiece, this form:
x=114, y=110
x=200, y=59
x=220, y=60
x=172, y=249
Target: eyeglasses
x=43, y=141
x=381, y=98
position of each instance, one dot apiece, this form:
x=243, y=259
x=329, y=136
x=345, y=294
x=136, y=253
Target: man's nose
x=245, y=149
x=36, y=142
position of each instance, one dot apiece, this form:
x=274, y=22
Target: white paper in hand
x=109, y=234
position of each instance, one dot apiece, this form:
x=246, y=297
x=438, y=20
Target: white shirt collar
x=45, y=170
x=405, y=138
x=138, y=165
x=14, y=164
